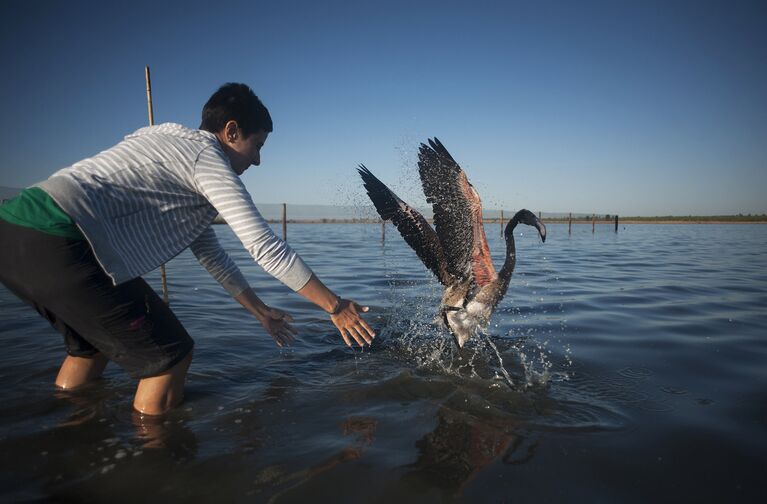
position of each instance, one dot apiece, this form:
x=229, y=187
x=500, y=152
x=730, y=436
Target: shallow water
x=636, y=363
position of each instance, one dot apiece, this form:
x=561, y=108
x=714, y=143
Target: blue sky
x=635, y=108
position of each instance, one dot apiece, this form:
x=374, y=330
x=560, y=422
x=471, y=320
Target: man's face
x=246, y=151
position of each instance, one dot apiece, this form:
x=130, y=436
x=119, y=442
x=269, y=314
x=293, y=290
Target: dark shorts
x=61, y=279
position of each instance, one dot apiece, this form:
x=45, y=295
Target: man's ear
x=231, y=131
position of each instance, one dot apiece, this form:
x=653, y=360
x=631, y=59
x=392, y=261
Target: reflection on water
x=461, y=445
x=621, y=367
x=167, y=433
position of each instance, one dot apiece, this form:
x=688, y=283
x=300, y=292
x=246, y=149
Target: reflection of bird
x=457, y=252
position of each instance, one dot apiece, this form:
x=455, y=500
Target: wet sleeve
x=214, y=258
x=223, y=188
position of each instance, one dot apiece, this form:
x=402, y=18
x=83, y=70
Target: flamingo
x=456, y=252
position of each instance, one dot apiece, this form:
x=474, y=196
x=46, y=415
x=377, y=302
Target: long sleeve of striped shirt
x=214, y=258
x=221, y=186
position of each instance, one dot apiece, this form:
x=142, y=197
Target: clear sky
x=635, y=108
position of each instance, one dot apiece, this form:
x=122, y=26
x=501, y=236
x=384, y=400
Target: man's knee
x=156, y=395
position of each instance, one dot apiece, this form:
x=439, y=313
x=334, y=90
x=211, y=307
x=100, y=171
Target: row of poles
x=593, y=223
x=503, y=224
x=383, y=224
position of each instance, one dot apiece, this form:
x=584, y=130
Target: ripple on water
x=644, y=312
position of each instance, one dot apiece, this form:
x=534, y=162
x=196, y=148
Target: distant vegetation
x=662, y=218
x=701, y=218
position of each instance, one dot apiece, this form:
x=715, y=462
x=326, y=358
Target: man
x=75, y=247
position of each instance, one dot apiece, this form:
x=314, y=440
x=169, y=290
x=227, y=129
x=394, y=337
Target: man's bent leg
x=158, y=394
x=76, y=371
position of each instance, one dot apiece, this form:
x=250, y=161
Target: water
x=623, y=367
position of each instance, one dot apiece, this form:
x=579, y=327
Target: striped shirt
x=143, y=201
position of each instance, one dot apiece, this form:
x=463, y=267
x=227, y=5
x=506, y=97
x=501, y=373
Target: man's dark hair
x=235, y=102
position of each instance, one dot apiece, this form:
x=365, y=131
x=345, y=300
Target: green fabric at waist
x=34, y=208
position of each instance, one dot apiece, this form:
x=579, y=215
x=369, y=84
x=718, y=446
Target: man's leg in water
x=77, y=371
x=156, y=395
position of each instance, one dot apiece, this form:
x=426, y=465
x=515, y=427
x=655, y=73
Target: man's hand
x=344, y=313
x=277, y=324
x=351, y=326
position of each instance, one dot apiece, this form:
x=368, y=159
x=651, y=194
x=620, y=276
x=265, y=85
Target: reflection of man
x=75, y=246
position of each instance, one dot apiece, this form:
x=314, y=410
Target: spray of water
x=522, y=358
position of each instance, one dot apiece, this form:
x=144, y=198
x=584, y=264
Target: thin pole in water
x=593, y=222
x=163, y=274
x=285, y=221
x=501, y=223
x=616, y=223
x=570, y=224
x=383, y=231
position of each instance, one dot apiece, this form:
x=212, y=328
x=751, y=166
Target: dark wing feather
x=457, y=214
x=411, y=224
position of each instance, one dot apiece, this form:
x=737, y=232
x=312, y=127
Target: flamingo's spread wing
x=457, y=214
x=411, y=224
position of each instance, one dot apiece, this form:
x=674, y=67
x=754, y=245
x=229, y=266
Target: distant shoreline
x=649, y=220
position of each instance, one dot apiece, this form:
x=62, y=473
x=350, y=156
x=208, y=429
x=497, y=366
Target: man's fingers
x=359, y=336
x=287, y=336
x=369, y=330
x=363, y=334
x=346, y=338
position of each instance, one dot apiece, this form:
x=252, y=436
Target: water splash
x=500, y=360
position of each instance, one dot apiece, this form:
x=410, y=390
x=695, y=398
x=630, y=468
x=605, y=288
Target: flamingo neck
x=511, y=253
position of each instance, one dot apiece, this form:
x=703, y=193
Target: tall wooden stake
x=163, y=274
x=570, y=224
x=616, y=223
x=383, y=231
x=501, y=223
x=285, y=221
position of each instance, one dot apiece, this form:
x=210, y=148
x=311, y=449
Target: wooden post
x=570, y=224
x=285, y=221
x=616, y=223
x=501, y=223
x=539, y=216
x=593, y=222
x=383, y=231
x=163, y=274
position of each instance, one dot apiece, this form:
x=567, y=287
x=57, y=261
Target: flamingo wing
x=457, y=214
x=409, y=222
